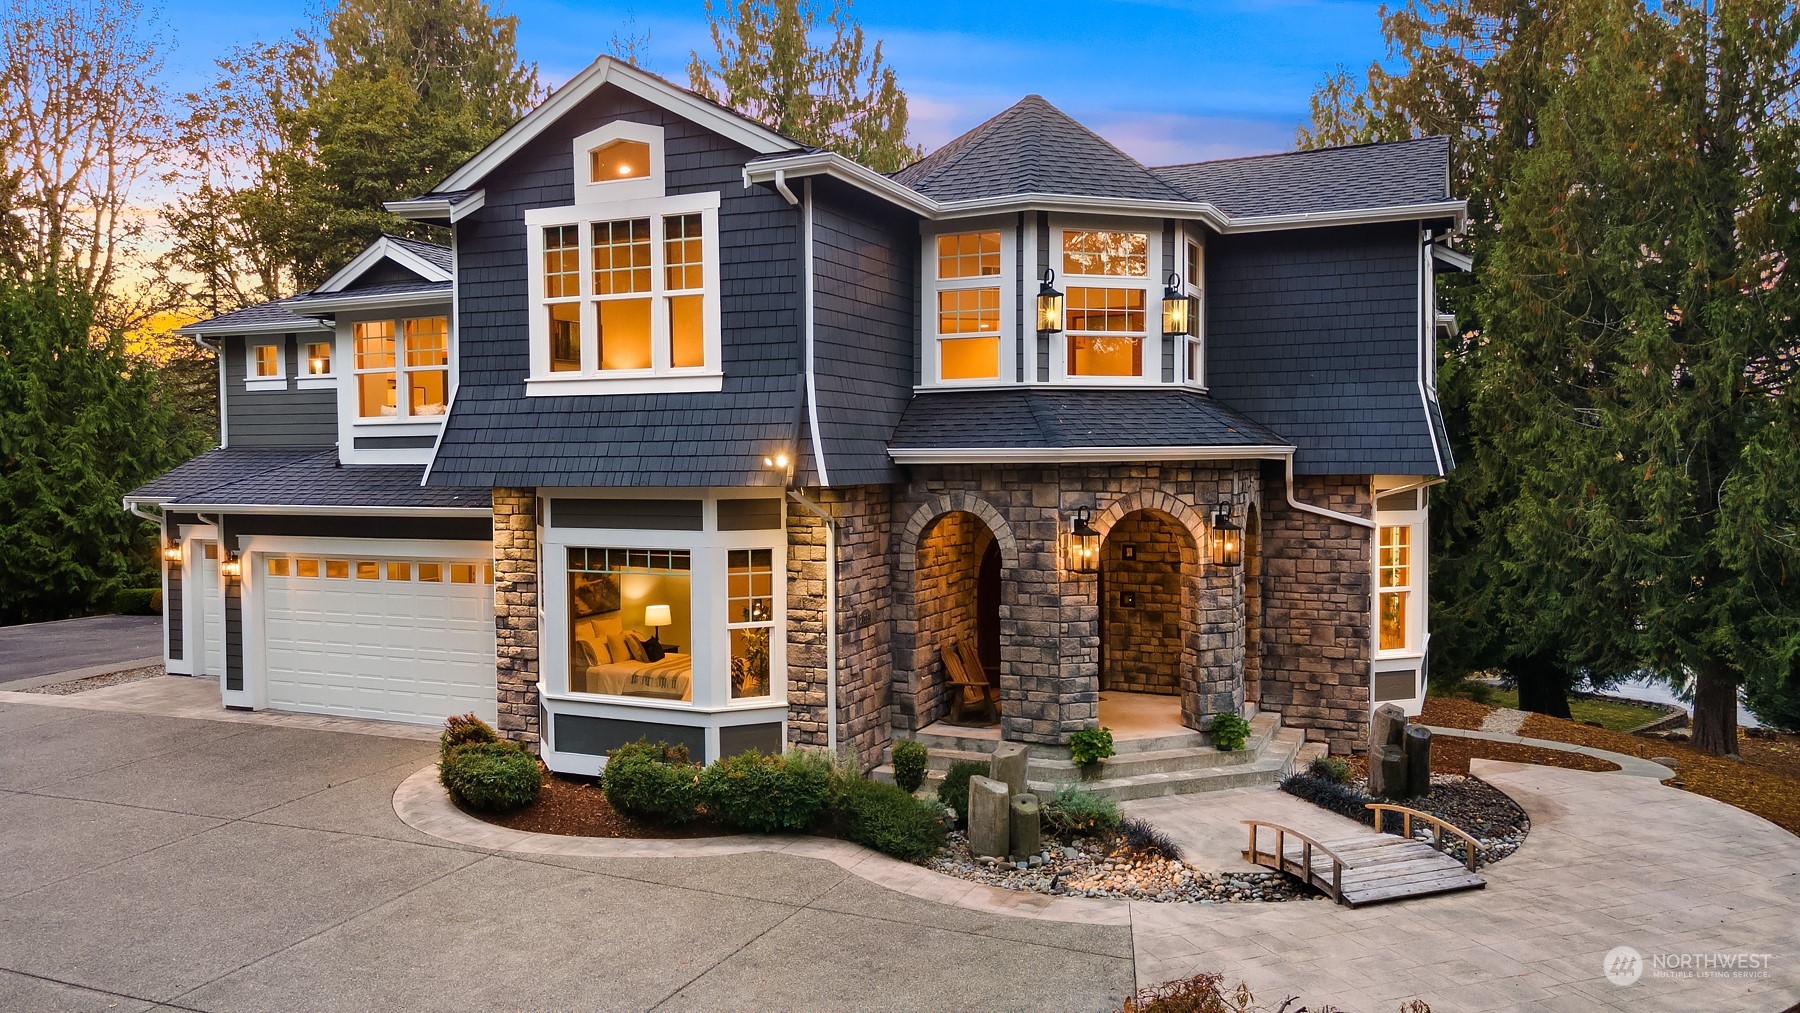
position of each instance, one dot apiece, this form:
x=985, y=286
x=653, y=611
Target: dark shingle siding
x=497, y=436
x=1315, y=333
x=1044, y=418
x=865, y=337
x=1321, y=180
x=277, y=418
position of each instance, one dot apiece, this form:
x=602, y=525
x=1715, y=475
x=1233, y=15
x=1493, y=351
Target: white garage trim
x=261, y=593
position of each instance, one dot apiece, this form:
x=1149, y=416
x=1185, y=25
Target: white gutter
x=1361, y=522
x=437, y=208
x=1079, y=455
x=336, y=511
x=831, y=651
x=219, y=351
x=136, y=509
x=197, y=331
x=357, y=300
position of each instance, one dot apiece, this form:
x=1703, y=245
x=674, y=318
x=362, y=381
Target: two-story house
x=696, y=433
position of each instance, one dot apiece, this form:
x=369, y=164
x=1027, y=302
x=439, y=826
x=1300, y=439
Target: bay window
x=1109, y=276
x=629, y=619
x=1396, y=569
x=968, y=271
x=411, y=356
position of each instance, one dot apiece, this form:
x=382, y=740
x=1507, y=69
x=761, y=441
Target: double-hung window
x=1194, y=284
x=392, y=357
x=750, y=618
x=264, y=368
x=1108, y=303
x=1395, y=567
x=969, y=277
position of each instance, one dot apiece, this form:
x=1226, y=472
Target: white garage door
x=398, y=639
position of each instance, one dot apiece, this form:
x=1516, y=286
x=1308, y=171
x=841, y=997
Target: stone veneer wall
x=1317, y=618
x=1146, y=642
x=863, y=516
x=1049, y=617
x=944, y=607
x=515, y=613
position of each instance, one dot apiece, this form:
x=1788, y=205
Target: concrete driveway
x=41, y=649
x=218, y=865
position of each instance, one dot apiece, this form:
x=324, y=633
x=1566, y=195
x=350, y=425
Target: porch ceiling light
x=1049, y=305
x=1180, y=311
x=231, y=566
x=1227, y=539
x=1084, y=543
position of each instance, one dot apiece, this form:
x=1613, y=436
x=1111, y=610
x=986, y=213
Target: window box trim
x=633, y=382
x=317, y=381
x=266, y=383
x=1006, y=281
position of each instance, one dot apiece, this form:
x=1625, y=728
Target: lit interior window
x=619, y=160
x=268, y=361
x=1105, y=329
x=750, y=616
x=968, y=315
x=630, y=614
x=318, y=358
x=1395, y=566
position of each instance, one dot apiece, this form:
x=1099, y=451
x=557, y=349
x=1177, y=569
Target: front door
x=211, y=609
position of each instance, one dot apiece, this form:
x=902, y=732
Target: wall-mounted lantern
x=231, y=566
x=1227, y=539
x=1049, y=305
x=1181, y=312
x=172, y=552
x=1084, y=543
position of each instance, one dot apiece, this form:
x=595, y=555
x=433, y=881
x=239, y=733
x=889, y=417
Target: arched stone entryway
x=1149, y=570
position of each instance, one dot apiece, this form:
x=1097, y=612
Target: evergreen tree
x=835, y=97
x=80, y=426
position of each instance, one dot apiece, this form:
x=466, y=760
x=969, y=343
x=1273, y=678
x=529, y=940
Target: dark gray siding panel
x=277, y=418
x=576, y=733
x=652, y=514
x=865, y=336
x=234, y=633
x=1315, y=334
x=172, y=607
x=496, y=436
x=394, y=442
x=764, y=738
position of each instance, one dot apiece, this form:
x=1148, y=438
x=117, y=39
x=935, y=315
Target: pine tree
x=837, y=96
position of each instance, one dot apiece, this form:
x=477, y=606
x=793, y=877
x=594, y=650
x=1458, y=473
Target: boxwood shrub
x=491, y=776
x=764, y=794
x=954, y=792
x=889, y=819
x=638, y=782
x=909, y=763
x=461, y=730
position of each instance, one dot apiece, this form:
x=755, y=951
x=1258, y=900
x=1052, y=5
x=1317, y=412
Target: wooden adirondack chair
x=969, y=688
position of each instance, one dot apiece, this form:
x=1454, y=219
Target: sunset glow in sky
x=1167, y=80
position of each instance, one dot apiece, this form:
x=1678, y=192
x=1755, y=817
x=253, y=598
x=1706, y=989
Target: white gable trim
x=382, y=249
x=648, y=87
x=438, y=209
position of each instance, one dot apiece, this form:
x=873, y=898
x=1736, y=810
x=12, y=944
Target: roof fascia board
x=601, y=72
x=228, y=330
x=358, y=301
x=327, y=511
x=1452, y=258
x=1456, y=209
x=382, y=249
x=1079, y=455
x=437, y=209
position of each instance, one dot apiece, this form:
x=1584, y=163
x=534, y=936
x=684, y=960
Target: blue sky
x=1167, y=80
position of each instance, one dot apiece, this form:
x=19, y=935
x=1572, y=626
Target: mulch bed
x=1765, y=782
x=575, y=807
x=1454, y=712
x=1450, y=754
x=97, y=681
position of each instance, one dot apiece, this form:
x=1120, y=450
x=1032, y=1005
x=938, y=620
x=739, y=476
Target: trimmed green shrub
x=491, y=776
x=137, y=601
x=638, y=782
x=954, y=792
x=1229, y=732
x=1329, y=768
x=1090, y=745
x=1075, y=812
x=462, y=730
x=909, y=763
x=764, y=794
x=889, y=819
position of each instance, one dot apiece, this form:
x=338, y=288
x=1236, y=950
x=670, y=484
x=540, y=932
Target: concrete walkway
x=254, y=863
x=1633, y=765
x=92, y=646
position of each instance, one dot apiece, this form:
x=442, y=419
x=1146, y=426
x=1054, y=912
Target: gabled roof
x=429, y=261
x=273, y=317
x=1032, y=148
x=1049, y=424
x=300, y=477
x=1348, y=178
x=604, y=71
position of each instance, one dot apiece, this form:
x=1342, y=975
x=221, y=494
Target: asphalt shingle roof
x=1032, y=147
x=1033, y=419
x=258, y=317
x=1325, y=179
x=300, y=477
x=437, y=256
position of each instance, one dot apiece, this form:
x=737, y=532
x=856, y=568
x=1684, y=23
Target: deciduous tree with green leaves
x=839, y=96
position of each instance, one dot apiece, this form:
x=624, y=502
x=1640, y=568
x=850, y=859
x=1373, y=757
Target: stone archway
x=1149, y=577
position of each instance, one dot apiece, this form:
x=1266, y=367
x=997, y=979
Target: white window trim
x=589, y=190
x=276, y=381
x=543, y=382
x=1418, y=593
x=402, y=411
x=308, y=380
x=1008, y=283
x=1151, y=283
x=1193, y=347
x=351, y=425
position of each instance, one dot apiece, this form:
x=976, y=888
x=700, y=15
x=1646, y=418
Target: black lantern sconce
x=1049, y=305
x=1180, y=312
x=1227, y=539
x=1084, y=543
x=231, y=566
x=172, y=552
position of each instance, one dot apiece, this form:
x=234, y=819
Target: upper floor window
x=1193, y=367
x=1108, y=301
x=318, y=358
x=968, y=269
x=395, y=356
x=620, y=159
x=265, y=362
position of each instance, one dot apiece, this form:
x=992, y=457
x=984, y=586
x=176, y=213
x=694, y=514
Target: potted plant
x=1089, y=746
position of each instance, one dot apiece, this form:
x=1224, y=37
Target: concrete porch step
x=1262, y=725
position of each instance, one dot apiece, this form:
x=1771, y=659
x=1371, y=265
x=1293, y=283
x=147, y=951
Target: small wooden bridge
x=1369, y=870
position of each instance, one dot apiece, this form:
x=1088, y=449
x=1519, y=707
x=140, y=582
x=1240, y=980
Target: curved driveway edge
x=1633, y=765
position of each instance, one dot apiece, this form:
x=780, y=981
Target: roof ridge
x=1301, y=151
x=960, y=145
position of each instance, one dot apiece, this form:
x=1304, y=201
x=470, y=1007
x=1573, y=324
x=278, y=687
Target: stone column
x=515, y=613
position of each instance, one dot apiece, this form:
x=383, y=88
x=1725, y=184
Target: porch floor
x=1129, y=715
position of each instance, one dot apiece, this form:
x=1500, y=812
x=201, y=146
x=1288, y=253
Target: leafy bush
x=1330, y=768
x=1229, y=732
x=889, y=819
x=909, y=763
x=138, y=601
x=1075, y=812
x=1339, y=798
x=640, y=783
x=491, y=776
x=764, y=794
x=1207, y=993
x=1145, y=839
x=1090, y=745
x=462, y=730
x=954, y=792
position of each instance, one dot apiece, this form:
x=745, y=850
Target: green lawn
x=1615, y=716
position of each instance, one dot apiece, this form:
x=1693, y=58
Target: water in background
x=1652, y=690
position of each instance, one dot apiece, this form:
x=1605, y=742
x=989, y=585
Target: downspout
x=831, y=651
x=137, y=510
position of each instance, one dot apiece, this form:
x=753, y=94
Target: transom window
x=1395, y=570
x=417, y=362
x=1106, y=311
x=1105, y=253
x=969, y=323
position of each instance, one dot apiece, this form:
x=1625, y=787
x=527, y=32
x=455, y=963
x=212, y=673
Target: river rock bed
x=1091, y=868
